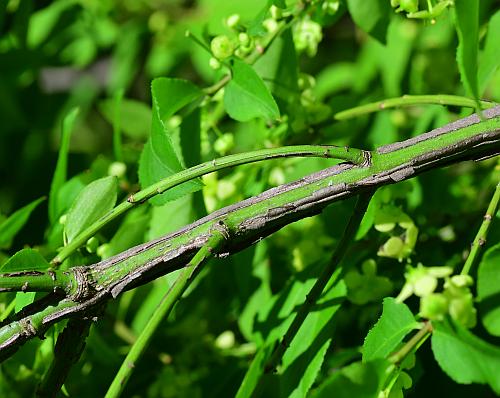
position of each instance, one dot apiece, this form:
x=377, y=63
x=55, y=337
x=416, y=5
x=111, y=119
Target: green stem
x=482, y=234
x=34, y=281
x=163, y=310
x=352, y=155
x=409, y=100
x=117, y=135
x=315, y=292
x=411, y=345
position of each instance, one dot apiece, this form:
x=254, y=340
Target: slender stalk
x=480, y=239
x=352, y=155
x=411, y=345
x=315, y=292
x=163, y=310
x=67, y=352
x=409, y=100
x=117, y=135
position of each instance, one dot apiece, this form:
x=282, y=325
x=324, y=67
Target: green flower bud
x=232, y=21
x=244, y=39
x=224, y=143
x=225, y=340
x=92, y=244
x=408, y=5
x=225, y=189
x=425, y=285
x=117, y=169
x=434, y=306
x=276, y=176
x=392, y=248
x=214, y=63
x=222, y=47
x=270, y=25
x=307, y=35
x=276, y=12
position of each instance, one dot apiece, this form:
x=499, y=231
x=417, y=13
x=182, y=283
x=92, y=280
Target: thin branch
x=482, y=234
x=316, y=291
x=409, y=100
x=352, y=155
x=166, y=304
x=252, y=219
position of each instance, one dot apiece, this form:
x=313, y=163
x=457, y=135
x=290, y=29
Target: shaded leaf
x=247, y=97
x=62, y=164
x=10, y=227
x=466, y=23
x=24, y=299
x=488, y=289
x=135, y=116
x=393, y=325
x=360, y=380
x=371, y=16
x=465, y=357
x=95, y=200
x=490, y=59
x=25, y=259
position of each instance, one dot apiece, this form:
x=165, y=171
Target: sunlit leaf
x=247, y=97
x=25, y=259
x=95, y=200
x=393, y=325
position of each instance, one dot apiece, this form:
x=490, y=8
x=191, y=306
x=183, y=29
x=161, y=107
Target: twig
x=219, y=235
x=315, y=292
x=480, y=239
x=409, y=100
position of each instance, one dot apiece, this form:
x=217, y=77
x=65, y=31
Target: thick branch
x=252, y=219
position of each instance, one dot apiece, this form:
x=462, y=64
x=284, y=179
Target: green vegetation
x=160, y=164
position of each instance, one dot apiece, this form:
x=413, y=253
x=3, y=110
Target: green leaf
x=360, y=380
x=488, y=290
x=304, y=357
x=95, y=200
x=62, y=164
x=255, y=371
x=135, y=117
x=246, y=96
x=159, y=158
x=42, y=22
x=391, y=328
x=371, y=16
x=466, y=23
x=25, y=259
x=23, y=299
x=489, y=59
x=465, y=357
x=10, y=227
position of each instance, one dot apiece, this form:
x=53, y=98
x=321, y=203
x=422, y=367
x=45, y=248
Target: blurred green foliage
x=101, y=56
